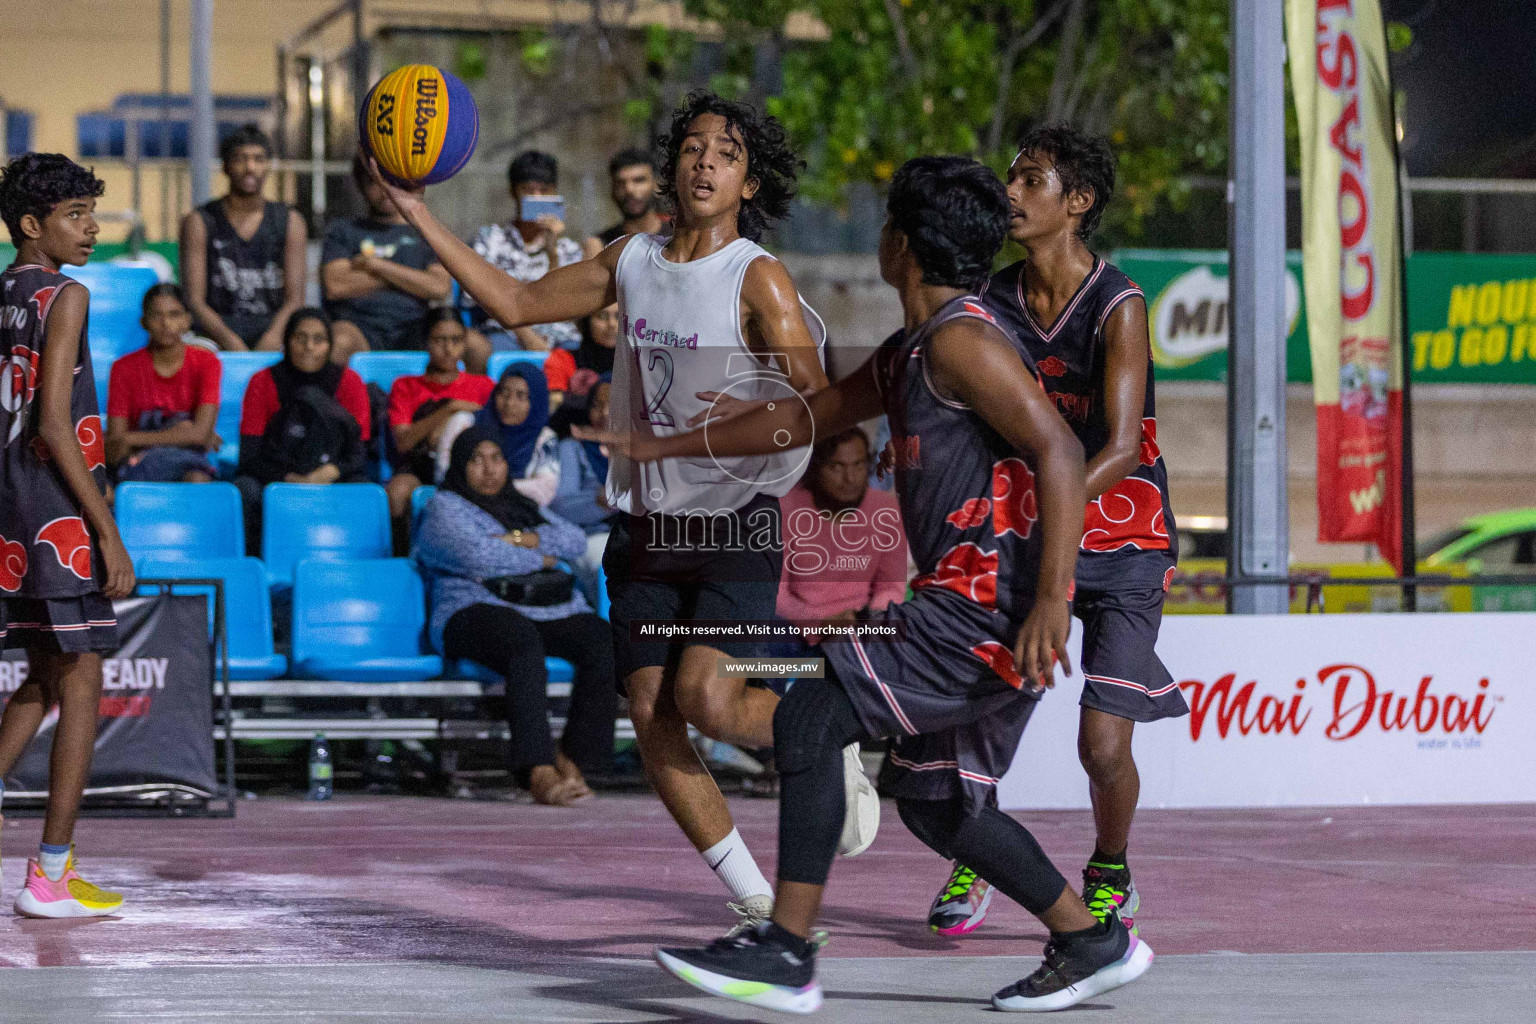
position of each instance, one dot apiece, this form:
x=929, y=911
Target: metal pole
x=317, y=141
x=1409, y=541
x=1257, y=507
x=200, y=152
x=165, y=119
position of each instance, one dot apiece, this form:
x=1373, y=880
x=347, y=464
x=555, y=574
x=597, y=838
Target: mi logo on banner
x=1367, y=498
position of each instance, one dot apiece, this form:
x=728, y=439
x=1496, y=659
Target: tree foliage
x=899, y=78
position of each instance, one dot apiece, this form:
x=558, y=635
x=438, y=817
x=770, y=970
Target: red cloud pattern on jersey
x=968, y=571
x=13, y=564
x=1013, y=494
x=1051, y=366
x=1150, y=452
x=1000, y=660
x=1130, y=514
x=92, y=444
x=71, y=544
x=973, y=513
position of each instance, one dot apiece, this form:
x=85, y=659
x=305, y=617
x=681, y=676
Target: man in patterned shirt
x=527, y=250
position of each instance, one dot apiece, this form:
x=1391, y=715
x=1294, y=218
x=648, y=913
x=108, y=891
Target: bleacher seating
x=360, y=621
x=419, y=498
x=247, y=608
x=382, y=368
x=499, y=361
x=239, y=368
x=117, y=302
x=172, y=522
x=321, y=521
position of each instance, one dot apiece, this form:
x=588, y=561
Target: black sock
x=802, y=948
x=1100, y=857
x=1099, y=930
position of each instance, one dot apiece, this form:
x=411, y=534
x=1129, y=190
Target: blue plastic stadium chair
x=117, y=302
x=560, y=671
x=173, y=522
x=360, y=621
x=239, y=368
x=323, y=521
x=419, y=498
x=247, y=609
x=499, y=361
x=382, y=368
x=101, y=369
x=602, y=592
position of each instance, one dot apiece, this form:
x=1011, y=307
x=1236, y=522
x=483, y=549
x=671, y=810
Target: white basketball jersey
x=680, y=334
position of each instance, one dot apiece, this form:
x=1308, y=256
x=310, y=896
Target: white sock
x=53, y=860
x=732, y=862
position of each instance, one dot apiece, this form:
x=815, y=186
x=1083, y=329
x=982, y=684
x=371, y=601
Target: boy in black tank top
x=242, y=257
x=61, y=559
x=1085, y=324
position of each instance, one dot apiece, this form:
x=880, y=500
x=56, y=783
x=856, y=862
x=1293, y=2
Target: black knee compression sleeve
x=811, y=727
x=1004, y=852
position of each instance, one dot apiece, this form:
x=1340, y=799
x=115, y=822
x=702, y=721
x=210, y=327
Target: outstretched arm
x=1126, y=351
x=565, y=293
x=972, y=362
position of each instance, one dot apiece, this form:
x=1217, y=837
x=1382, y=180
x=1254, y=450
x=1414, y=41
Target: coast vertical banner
x=1351, y=268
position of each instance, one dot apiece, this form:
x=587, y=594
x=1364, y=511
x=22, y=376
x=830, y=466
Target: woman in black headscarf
x=304, y=419
x=489, y=556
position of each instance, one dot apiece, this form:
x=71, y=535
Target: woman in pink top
x=844, y=550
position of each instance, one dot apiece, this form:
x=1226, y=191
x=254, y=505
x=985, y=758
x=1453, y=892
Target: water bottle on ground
x=321, y=771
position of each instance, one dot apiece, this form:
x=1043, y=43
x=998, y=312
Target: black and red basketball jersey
x=46, y=551
x=967, y=496
x=1129, y=536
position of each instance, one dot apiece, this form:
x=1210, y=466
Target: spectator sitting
x=163, y=400
x=581, y=496
x=844, y=550
x=420, y=408
x=632, y=184
x=527, y=250
x=518, y=416
x=242, y=257
x=599, y=335
x=480, y=541
x=378, y=276
x=304, y=420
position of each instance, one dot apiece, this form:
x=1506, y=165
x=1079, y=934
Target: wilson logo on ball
x=420, y=123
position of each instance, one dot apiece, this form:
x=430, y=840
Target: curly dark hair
x=954, y=212
x=248, y=134
x=1084, y=162
x=769, y=158
x=38, y=182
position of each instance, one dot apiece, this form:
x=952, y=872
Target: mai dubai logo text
x=1354, y=703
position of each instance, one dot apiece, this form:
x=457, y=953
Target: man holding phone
x=526, y=248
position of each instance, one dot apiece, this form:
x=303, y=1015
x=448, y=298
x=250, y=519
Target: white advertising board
x=1316, y=710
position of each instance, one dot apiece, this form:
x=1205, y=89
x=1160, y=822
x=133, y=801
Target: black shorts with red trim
x=70, y=625
x=945, y=690
x=1122, y=674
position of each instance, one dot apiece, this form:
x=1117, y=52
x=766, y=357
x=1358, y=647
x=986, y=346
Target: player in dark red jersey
x=1085, y=324
x=61, y=559
x=990, y=482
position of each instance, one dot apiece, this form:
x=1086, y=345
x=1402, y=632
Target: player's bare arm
x=194, y=278
x=1127, y=347
x=56, y=378
x=759, y=431
x=775, y=323
x=973, y=363
x=565, y=293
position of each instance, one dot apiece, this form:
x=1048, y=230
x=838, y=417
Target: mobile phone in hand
x=534, y=207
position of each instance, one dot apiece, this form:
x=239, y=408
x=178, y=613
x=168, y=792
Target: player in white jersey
x=703, y=313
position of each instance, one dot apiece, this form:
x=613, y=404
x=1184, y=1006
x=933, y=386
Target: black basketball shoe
x=1079, y=968
x=757, y=966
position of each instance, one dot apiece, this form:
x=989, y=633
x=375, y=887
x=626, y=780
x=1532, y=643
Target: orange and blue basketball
x=420, y=123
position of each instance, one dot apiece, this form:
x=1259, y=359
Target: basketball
x=420, y=123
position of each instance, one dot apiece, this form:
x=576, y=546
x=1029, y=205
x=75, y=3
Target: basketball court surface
x=403, y=910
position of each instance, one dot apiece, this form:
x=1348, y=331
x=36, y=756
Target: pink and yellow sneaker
x=70, y=896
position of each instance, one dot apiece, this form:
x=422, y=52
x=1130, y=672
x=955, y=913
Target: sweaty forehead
x=714, y=126
x=1032, y=161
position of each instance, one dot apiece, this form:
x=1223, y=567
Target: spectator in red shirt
x=420, y=407
x=304, y=420
x=163, y=399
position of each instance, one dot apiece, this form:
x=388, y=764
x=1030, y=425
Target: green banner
x=1471, y=316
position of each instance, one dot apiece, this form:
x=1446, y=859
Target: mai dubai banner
x=1313, y=710
x=1471, y=316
